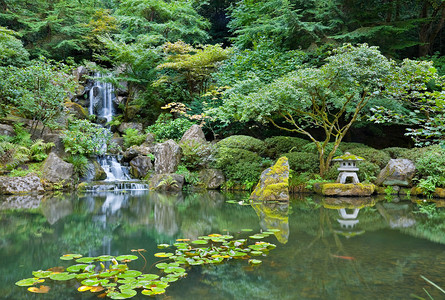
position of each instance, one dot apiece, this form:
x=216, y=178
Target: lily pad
x=41, y=274
x=200, y=242
x=82, y=276
x=86, y=260
x=130, y=273
x=125, y=294
x=105, y=258
x=255, y=261
x=84, y=288
x=76, y=268
x=29, y=281
x=163, y=254
x=108, y=274
x=148, y=277
x=163, y=246
x=126, y=257
x=43, y=289
x=177, y=270
x=62, y=276
x=70, y=256
x=94, y=282
x=246, y=229
x=257, y=237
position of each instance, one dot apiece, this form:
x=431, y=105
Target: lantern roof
x=347, y=157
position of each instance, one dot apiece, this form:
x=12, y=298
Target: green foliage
x=12, y=51
x=431, y=163
x=80, y=163
x=303, y=161
x=189, y=176
x=32, y=168
x=167, y=128
x=282, y=144
x=239, y=164
x=378, y=157
x=197, y=155
x=397, y=152
x=85, y=138
x=243, y=142
x=132, y=137
x=312, y=148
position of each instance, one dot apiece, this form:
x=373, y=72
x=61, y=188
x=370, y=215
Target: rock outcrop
x=55, y=170
x=397, y=172
x=211, y=179
x=7, y=130
x=140, y=166
x=94, y=171
x=274, y=183
x=124, y=126
x=167, y=157
x=340, y=189
x=193, y=135
x=166, y=182
x=20, y=185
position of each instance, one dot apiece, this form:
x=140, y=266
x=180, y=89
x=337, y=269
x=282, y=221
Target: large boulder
x=20, y=185
x=341, y=189
x=59, y=147
x=94, y=171
x=79, y=73
x=77, y=110
x=134, y=151
x=166, y=182
x=397, y=172
x=140, y=166
x=124, y=126
x=274, y=183
x=193, y=135
x=167, y=157
x=211, y=179
x=55, y=170
x=7, y=130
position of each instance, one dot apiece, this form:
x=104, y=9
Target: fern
x=39, y=150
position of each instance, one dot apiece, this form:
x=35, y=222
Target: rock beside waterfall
x=124, y=126
x=94, y=172
x=79, y=73
x=167, y=157
x=20, y=185
x=166, y=182
x=193, y=135
x=140, y=166
x=77, y=110
x=274, y=183
x=55, y=170
x=134, y=151
x=59, y=147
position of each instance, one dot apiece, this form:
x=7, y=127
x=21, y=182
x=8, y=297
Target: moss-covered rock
x=274, y=183
x=338, y=189
x=278, y=145
x=77, y=110
x=243, y=142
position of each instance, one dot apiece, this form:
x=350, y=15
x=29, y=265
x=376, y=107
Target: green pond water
x=367, y=251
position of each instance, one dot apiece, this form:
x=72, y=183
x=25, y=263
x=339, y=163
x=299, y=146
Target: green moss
x=243, y=142
x=271, y=191
x=348, y=156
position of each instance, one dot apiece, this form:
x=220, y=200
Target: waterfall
x=102, y=97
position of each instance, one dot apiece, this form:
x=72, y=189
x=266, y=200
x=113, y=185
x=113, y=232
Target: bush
x=312, y=148
x=277, y=145
x=84, y=137
x=397, y=152
x=243, y=142
x=378, y=157
x=133, y=137
x=197, y=155
x=79, y=162
x=431, y=163
x=239, y=164
x=345, y=146
x=303, y=161
x=167, y=128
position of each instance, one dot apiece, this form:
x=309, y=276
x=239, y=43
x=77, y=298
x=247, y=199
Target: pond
x=326, y=248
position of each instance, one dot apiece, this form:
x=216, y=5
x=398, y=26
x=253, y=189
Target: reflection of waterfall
x=101, y=104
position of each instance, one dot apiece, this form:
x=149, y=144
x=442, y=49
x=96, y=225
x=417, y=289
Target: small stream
x=326, y=248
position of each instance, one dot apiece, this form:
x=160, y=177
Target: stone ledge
x=339, y=189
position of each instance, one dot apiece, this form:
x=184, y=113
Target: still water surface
x=367, y=251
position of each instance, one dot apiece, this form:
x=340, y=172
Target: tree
x=12, y=51
x=330, y=98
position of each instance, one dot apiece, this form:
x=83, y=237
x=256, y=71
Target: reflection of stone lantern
x=347, y=167
x=347, y=222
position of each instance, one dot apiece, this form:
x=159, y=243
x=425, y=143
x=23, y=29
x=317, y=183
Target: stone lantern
x=347, y=167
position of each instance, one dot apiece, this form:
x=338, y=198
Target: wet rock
x=94, y=172
x=340, y=189
x=193, y=135
x=166, y=182
x=134, y=151
x=149, y=140
x=124, y=126
x=79, y=73
x=274, y=183
x=77, y=110
x=140, y=166
x=59, y=147
x=397, y=172
x=211, y=179
x=20, y=185
x=167, y=157
x=7, y=130
x=116, y=145
x=55, y=170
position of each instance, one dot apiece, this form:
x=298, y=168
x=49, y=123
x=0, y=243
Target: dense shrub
x=312, y=148
x=239, y=164
x=277, y=145
x=133, y=137
x=167, y=128
x=375, y=156
x=243, y=142
x=345, y=146
x=397, y=152
x=303, y=161
x=431, y=163
x=84, y=137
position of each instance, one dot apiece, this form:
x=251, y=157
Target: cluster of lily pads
x=110, y=275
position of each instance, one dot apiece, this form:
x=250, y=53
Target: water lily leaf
x=41, y=274
x=157, y=284
x=29, y=281
x=84, y=288
x=200, y=242
x=227, y=236
x=87, y=260
x=148, y=293
x=215, y=235
x=70, y=256
x=130, y=273
x=43, y=289
x=76, y=268
x=257, y=237
x=82, y=276
x=161, y=265
x=163, y=246
x=177, y=270
x=56, y=269
x=129, y=286
x=94, y=282
x=256, y=253
x=255, y=261
x=125, y=294
x=126, y=257
x=62, y=276
x=96, y=289
x=109, y=284
x=267, y=232
x=246, y=229
x=148, y=277
x=182, y=240
x=105, y=257
x=119, y=267
x=169, y=279
x=127, y=280
x=197, y=263
x=231, y=201
x=163, y=254
x=108, y=274
x=181, y=245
